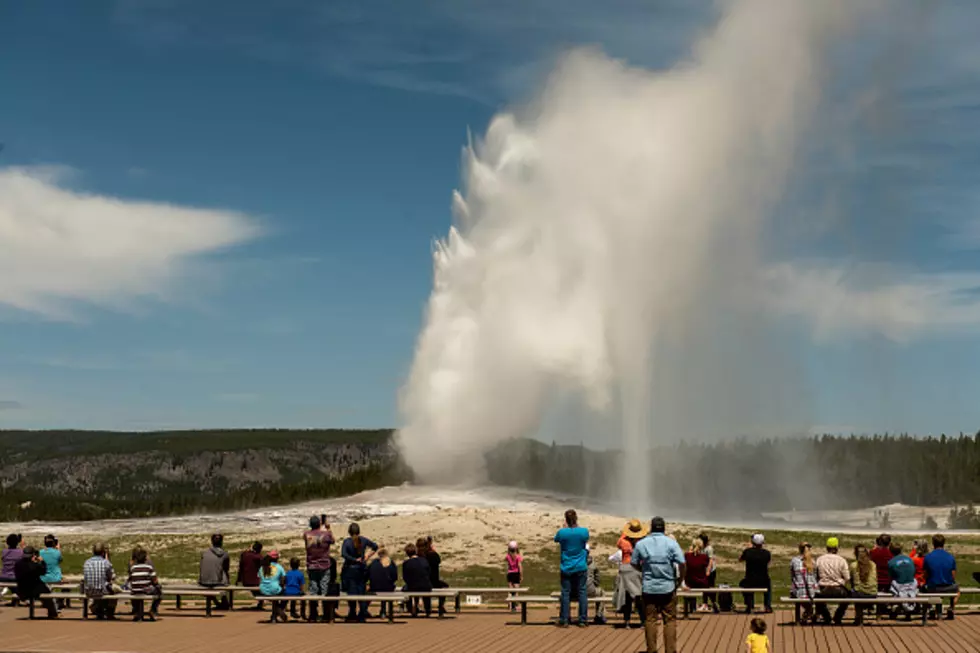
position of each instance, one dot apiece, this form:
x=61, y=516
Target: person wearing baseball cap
x=661, y=561
x=833, y=575
x=756, y=559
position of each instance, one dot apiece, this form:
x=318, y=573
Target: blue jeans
x=573, y=583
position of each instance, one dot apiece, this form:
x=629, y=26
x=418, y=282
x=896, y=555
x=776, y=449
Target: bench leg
x=231, y=600
x=207, y=606
x=273, y=612
x=458, y=598
x=178, y=601
x=85, y=608
x=30, y=609
x=925, y=612
x=331, y=608
x=796, y=613
x=687, y=612
x=391, y=612
x=524, y=613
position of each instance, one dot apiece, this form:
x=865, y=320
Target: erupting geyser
x=602, y=222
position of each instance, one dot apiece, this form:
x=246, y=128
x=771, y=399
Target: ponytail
x=355, y=535
x=267, y=565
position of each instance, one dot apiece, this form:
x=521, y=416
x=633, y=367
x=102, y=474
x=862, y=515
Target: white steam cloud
x=599, y=228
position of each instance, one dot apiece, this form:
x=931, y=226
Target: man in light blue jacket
x=661, y=561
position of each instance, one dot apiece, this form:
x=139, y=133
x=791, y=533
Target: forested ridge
x=744, y=477
x=86, y=475
x=76, y=475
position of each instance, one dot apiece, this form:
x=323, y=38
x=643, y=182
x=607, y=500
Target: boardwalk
x=245, y=631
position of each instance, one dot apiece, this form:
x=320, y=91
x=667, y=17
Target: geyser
x=599, y=224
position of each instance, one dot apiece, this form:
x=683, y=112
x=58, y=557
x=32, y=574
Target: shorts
x=514, y=577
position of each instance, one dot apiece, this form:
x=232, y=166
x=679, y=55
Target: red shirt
x=881, y=556
x=920, y=576
x=697, y=569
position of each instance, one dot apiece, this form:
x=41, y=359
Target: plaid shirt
x=98, y=576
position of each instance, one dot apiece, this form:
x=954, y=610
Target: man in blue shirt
x=939, y=566
x=661, y=561
x=574, y=565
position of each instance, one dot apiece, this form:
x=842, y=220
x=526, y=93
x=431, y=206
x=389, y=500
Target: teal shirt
x=52, y=561
x=655, y=555
x=902, y=569
x=271, y=585
x=574, y=557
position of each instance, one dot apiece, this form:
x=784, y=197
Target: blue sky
x=220, y=214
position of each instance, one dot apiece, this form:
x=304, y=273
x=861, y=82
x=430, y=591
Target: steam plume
x=601, y=224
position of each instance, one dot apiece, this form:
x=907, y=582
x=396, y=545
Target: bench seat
x=922, y=599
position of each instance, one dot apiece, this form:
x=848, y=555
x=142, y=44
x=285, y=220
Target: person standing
x=318, y=541
x=356, y=552
x=833, y=576
x=593, y=586
x=940, y=572
x=627, y=591
x=661, y=561
x=697, y=571
x=97, y=574
x=756, y=559
x=572, y=539
x=28, y=571
x=709, y=600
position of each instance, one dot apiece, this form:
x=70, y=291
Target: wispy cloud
x=60, y=246
x=896, y=303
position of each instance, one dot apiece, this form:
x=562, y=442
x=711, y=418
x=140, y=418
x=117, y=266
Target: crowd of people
x=366, y=568
x=652, y=568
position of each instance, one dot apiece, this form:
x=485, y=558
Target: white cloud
x=59, y=246
x=898, y=304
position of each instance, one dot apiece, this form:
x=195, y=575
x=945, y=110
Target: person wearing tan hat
x=628, y=591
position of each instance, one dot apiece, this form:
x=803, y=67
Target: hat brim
x=643, y=532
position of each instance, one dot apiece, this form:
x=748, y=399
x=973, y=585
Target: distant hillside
x=90, y=474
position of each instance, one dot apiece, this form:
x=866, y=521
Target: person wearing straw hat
x=628, y=590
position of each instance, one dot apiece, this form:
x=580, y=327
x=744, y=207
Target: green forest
x=744, y=477
x=75, y=475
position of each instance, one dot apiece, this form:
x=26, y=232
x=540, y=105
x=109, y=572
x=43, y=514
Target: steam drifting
x=603, y=223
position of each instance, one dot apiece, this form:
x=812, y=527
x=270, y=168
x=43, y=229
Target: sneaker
x=562, y=624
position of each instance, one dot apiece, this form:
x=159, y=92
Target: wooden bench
x=210, y=596
x=922, y=599
x=333, y=601
x=476, y=591
x=697, y=592
x=525, y=600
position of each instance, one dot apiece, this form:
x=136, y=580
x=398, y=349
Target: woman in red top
x=918, y=555
x=697, y=571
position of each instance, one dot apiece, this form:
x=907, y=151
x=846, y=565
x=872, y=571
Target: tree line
x=744, y=477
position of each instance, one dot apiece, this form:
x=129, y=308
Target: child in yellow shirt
x=757, y=642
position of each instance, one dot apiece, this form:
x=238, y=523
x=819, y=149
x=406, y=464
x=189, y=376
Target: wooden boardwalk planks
x=249, y=631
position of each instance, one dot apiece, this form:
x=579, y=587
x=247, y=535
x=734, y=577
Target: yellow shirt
x=757, y=643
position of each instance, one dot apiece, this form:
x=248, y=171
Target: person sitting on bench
x=143, y=581
x=28, y=571
x=833, y=575
x=98, y=575
x=939, y=567
x=902, y=572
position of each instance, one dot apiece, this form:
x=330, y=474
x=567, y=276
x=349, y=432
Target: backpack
x=725, y=601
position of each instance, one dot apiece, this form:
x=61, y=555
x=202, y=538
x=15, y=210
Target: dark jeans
x=832, y=593
x=353, y=582
x=858, y=607
x=633, y=602
x=573, y=584
x=749, y=598
x=660, y=607
x=104, y=608
x=712, y=598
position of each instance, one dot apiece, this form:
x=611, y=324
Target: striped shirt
x=141, y=579
x=98, y=575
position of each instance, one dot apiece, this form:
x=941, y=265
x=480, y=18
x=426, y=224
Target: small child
x=515, y=568
x=757, y=641
x=295, y=584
